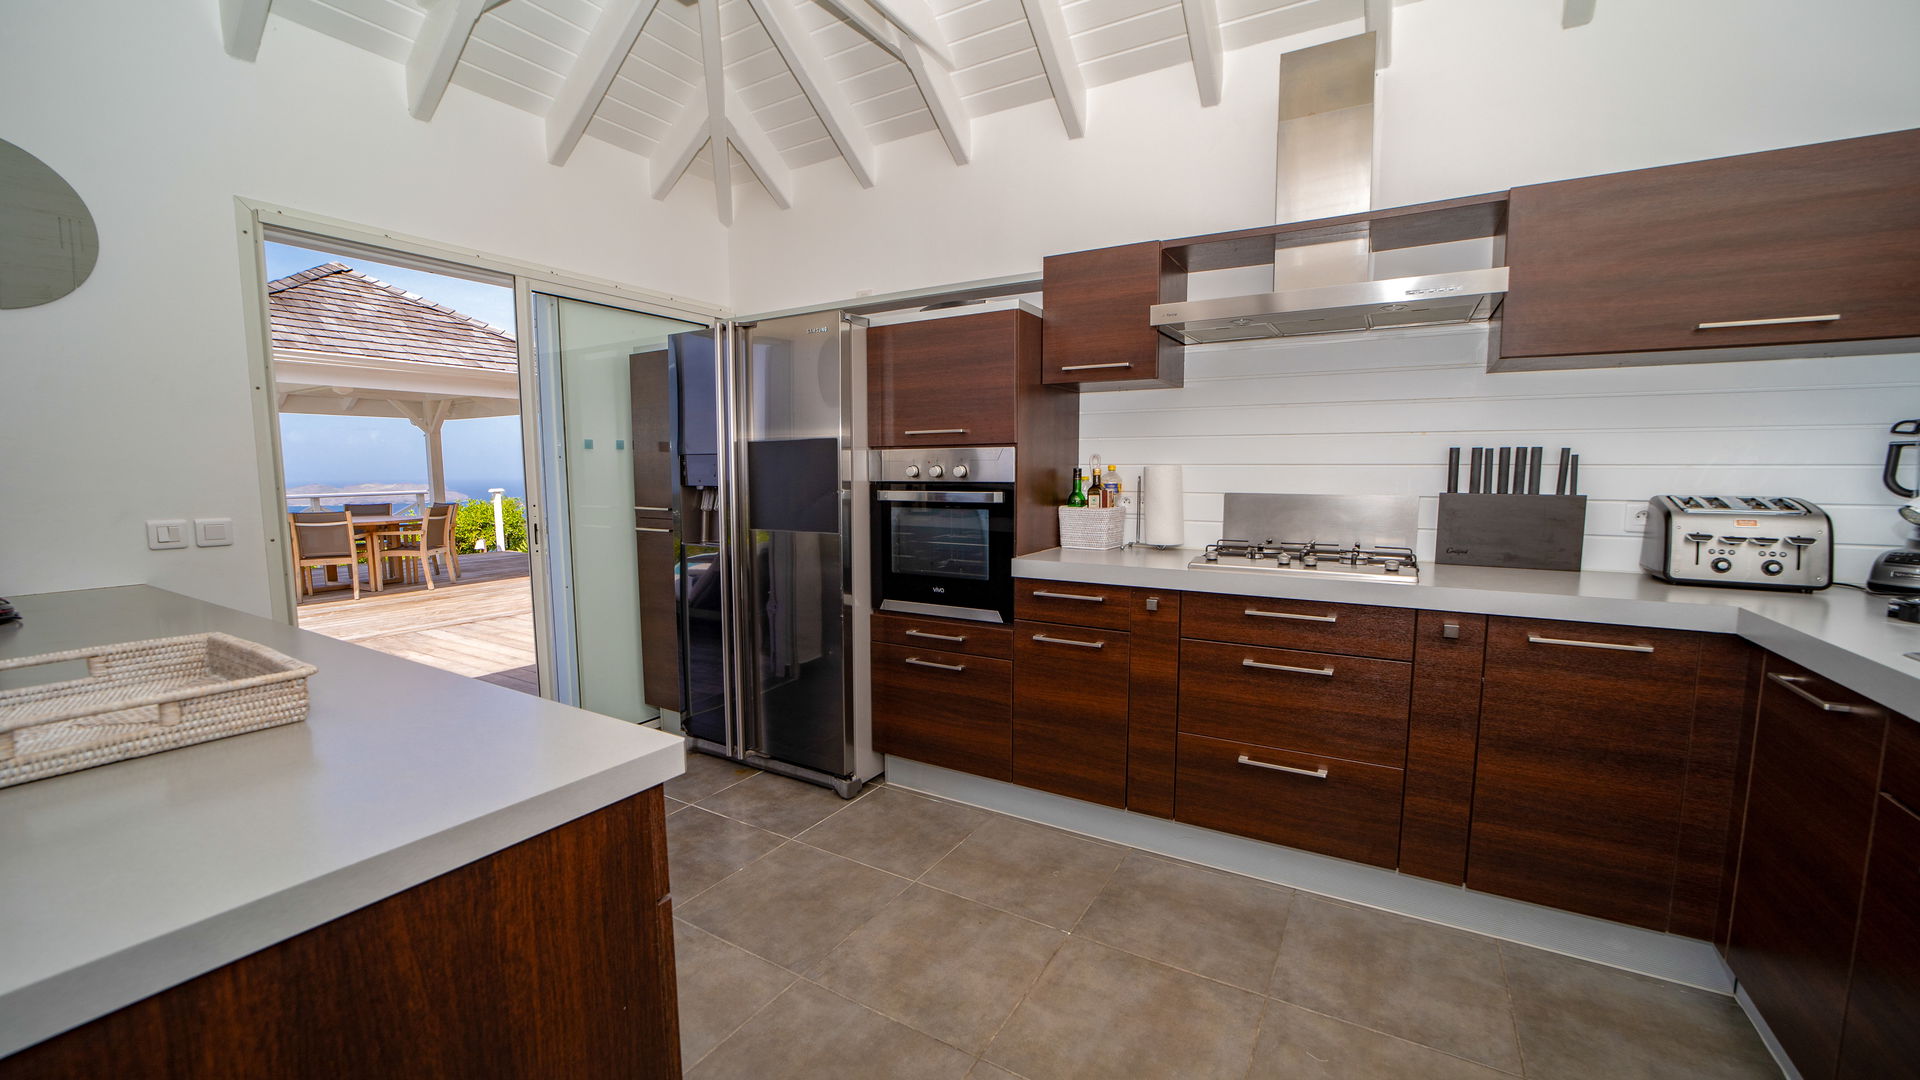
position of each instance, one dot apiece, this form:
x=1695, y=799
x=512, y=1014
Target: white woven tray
x=142, y=697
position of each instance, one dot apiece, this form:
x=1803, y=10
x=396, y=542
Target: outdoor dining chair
x=326, y=538
x=430, y=541
x=370, y=509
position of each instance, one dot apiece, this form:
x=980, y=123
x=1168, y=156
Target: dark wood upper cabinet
x=945, y=382
x=1098, y=334
x=1803, y=858
x=1582, y=766
x=1637, y=262
x=654, y=462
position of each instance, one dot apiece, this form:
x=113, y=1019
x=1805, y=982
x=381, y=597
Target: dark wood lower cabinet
x=1442, y=729
x=1070, y=711
x=1882, y=1032
x=948, y=709
x=1347, y=809
x=1343, y=706
x=1803, y=856
x=1153, y=701
x=1582, y=766
x=657, y=554
x=553, y=957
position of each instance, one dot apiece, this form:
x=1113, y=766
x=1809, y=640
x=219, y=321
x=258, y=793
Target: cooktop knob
x=959, y=472
x=936, y=471
x=1721, y=566
x=913, y=471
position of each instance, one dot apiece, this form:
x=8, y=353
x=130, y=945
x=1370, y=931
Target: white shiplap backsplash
x=1375, y=414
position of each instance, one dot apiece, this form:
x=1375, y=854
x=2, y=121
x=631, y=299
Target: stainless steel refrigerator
x=759, y=437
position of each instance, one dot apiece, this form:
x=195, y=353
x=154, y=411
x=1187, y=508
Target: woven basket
x=1093, y=528
x=142, y=697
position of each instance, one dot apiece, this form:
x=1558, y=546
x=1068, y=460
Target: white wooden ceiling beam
x=916, y=19
x=810, y=70
x=1379, y=20
x=242, y=22
x=678, y=148
x=436, y=52
x=592, y=73
x=762, y=157
x=950, y=115
x=1576, y=13
x=1056, y=55
x=869, y=22
x=1209, y=53
x=713, y=70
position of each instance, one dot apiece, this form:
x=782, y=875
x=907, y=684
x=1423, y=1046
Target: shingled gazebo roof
x=335, y=309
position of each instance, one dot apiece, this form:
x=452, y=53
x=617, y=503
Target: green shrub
x=473, y=522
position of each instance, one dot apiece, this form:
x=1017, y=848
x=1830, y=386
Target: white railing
x=407, y=500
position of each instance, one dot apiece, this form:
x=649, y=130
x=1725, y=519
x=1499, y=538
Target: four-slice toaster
x=1746, y=540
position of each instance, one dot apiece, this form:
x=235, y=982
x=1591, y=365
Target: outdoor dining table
x=372, y=523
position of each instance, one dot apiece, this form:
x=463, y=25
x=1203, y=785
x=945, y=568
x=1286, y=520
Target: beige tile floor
x=898, y=935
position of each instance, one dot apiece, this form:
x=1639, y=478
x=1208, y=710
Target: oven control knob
x=936, y=471
x=1721, y=566
x=959, y=472
x=913, y=471
x=1772, y=567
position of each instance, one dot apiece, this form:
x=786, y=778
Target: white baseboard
x=1663, y=956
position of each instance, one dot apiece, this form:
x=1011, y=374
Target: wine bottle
x=1079, y=496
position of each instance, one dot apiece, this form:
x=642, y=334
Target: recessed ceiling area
x=747, y=91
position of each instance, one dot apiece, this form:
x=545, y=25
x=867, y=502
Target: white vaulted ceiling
x=798, y=82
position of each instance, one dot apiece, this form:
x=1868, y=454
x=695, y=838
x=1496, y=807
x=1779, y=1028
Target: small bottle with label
x=1079, y=496
x=1110, y=488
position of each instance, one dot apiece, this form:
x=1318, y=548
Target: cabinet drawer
x=947, y=635
x=1900, y=776
x=1381, y=632
x=1541, y=651
x=1073, y=603
x=1345, y=706
x=1341, y=808
x=946, y=709
x=1070, y=711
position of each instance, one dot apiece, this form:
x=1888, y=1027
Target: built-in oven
x=943, y=532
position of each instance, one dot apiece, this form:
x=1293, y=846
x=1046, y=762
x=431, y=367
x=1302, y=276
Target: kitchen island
x=430, y=874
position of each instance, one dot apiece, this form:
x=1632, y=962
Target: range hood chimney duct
x=1325, y=170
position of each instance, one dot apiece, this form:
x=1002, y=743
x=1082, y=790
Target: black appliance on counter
x=943, y=532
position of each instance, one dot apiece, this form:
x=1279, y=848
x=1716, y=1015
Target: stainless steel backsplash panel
x=1367, y=520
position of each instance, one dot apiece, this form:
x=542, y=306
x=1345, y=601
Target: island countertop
x=1842, y=634
x=123, y=880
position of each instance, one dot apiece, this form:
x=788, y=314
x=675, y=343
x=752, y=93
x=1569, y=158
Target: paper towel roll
x=1163, y=516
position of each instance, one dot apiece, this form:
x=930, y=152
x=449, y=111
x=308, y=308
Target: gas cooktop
x=1307, y=558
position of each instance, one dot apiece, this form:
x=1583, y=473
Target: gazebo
x=346, y=344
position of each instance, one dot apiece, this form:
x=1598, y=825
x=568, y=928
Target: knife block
x=1521, y=532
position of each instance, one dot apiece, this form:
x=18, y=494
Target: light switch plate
x=165, y=534
x=213, y=532
x=1633, y=517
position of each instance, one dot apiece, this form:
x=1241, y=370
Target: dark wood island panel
x=553, y=957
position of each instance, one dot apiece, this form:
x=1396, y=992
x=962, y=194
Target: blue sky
x=480, y=453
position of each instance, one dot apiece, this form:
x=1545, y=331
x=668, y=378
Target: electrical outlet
x=1633, y=517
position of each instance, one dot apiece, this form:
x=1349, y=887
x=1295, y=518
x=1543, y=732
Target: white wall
x=1481, y=95
x=129, y=398
x=1375, y=413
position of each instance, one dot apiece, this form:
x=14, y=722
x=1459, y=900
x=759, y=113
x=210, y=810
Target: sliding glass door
x=591, y=367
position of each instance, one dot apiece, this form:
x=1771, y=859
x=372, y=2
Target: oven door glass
x=946, y=552
x=941, y=541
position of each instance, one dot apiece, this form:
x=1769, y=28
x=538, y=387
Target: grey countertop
x=1842, y=634
x=120, y=881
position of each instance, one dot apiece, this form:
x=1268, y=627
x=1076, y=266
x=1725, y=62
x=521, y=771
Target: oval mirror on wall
x=48, y=244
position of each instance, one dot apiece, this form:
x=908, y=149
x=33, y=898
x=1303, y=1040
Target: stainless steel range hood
x=1324, y=169
x=1455, y=297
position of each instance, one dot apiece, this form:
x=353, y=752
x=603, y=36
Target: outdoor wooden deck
x=481, y=626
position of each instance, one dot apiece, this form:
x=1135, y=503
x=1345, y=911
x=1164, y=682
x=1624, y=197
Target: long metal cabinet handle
x=937, y=637
x=1538, y=640
x=1070, y=596
x=917, y=662
x=1289, y=615
x=1070, y=641
x=1792, y=682
x=649, y=528
x=1096, y=367
x=1287, y=667
x=1318, y=774
x=660, y=509
x=1788, y=321
x=937, y=431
